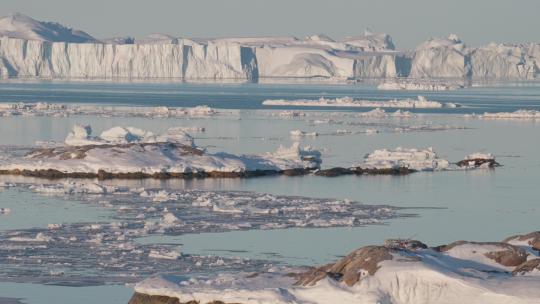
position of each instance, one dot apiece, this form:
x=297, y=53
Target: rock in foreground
x=400, y=271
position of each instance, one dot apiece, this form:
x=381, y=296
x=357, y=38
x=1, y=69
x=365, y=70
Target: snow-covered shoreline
x=400, y=271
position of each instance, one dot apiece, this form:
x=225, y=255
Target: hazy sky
x=407, y=21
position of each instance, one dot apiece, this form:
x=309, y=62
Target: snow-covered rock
x=135, y=153
x=399, y=272
x=479, y=160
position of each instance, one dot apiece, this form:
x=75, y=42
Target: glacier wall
x=32, y=58
x=254, y=59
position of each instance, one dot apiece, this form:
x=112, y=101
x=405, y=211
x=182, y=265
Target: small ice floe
x=167, y=254
x=39, y=238
x=371, y=131
x=298, y=133
x=413, y=159
x=478, y=160
x=343, y=132
x=54, y=226
x=159, y=196
x=419, y=86
x=420, y=102
x=380, y=113
x=63, y=110
x=519, y=114
x=291, y=114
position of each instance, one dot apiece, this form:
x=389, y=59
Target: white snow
x=436, y=278
x=421, y=160
x=381, y=113
x=299, y=133
x=421, y=102
x=39, y=238
x=165, y=254
x=82, y=135
x=418, y=86
x=519, y=114
x=128, y=150
x=480, y=155
x=21, y=26
x=23, y=41
x=63, y=110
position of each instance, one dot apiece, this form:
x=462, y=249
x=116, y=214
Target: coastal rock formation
x=400, y=271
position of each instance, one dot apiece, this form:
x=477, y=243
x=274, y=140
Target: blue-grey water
x=482, y=205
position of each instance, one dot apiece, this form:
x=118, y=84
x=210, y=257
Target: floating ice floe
x=419, y=86
x=62, y=110
x=413, y=159
x=299, y=133
x=400, y=271
x=380, y=113
x=421, y=102
x=519, y=114
x=134, y=153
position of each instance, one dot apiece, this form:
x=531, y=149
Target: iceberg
x=35, y=49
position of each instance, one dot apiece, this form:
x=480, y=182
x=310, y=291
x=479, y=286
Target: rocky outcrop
x=361, y=262
x=502, y=253
x=531, y=239
x=140, y=298
x=400, y=271
x=527, y=267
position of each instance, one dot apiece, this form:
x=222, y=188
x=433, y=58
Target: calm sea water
x=481, y=205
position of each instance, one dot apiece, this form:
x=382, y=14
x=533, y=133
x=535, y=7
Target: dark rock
x=350, y=268
x=404, y=244
x=508, y=255
x=140, y=298
x=477, y=162
x=333, y=172
x=386, y=171
x=533, y=239
x=527, y=267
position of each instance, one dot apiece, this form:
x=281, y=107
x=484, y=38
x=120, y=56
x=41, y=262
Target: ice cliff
x=30, y=48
